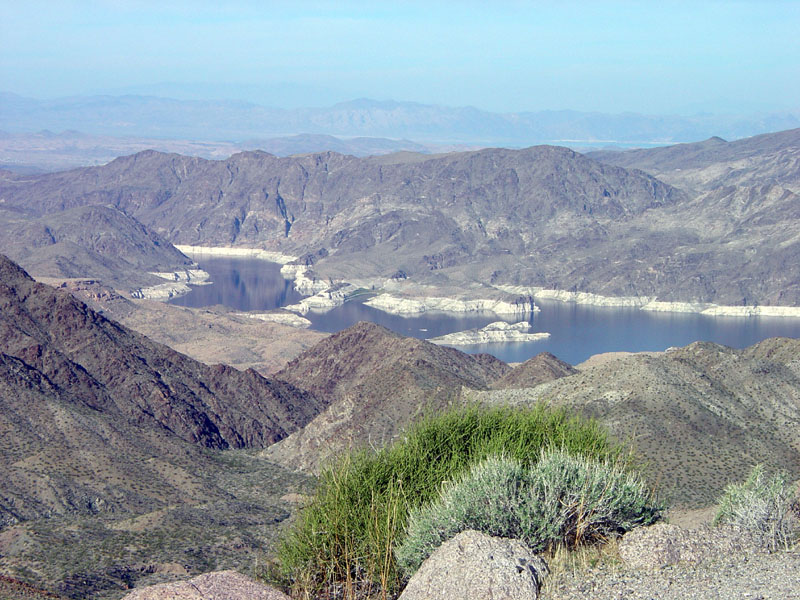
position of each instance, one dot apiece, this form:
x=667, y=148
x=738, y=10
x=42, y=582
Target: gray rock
x=477, y=566
x=220, y=585
x=663, y=545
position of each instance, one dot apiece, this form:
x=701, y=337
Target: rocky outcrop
x=497, y=332
x=220, y=585
x=479, y=567
x=415, y=306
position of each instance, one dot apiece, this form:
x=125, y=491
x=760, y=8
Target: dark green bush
x=347, y=535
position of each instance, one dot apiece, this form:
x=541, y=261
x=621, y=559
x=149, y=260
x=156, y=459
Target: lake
x=576, y=331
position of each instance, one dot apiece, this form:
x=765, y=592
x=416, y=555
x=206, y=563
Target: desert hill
x=701, y=416
x=541, y=368
x=111, y=462
x=376, y=382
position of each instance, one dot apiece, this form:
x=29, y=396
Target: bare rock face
x=220, y=585
x=477, y=566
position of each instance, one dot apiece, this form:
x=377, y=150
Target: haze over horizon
x=612, y=57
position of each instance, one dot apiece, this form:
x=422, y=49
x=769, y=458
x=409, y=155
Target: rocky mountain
x=699, y=416
x=93, y=241
x=375, y=383
x=541, y=368
x=541, y=217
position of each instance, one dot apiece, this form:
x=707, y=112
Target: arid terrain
x=145, y=442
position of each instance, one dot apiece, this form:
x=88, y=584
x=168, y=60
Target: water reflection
x=243, y=284
x=576, y=332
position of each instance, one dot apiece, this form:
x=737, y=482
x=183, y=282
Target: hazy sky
x=648, y=56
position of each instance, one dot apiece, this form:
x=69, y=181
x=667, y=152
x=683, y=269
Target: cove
x=576, y=331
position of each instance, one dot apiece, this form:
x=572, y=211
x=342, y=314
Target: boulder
x=219, y=585
x=477, y=566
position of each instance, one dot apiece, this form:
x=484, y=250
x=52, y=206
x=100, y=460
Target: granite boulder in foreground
x=220, y=585
x=480, y=567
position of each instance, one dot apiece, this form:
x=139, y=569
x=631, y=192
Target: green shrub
x=346, y=536
x=764, y=506
x=561, y=499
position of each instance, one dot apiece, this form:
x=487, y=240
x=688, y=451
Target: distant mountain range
x=157, y=117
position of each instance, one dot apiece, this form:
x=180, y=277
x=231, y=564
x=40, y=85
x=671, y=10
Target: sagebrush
x=764, y=506
x=347, y=535
x=560, y=499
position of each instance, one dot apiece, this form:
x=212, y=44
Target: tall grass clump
x=766, y=507
x=562, y=499
x=346, y=537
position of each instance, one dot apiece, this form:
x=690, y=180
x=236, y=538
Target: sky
x=665, y=57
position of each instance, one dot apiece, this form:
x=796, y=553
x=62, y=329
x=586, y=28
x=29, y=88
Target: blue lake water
x=576, y=332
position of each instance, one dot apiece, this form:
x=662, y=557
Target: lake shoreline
x=399, y=303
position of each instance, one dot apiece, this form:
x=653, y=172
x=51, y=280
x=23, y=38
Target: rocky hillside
x=93, y=241
x=700, y=416
x=768, y=159
x=71, y=375
x=544, y=217
x=111, y=462
x=376, y=382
